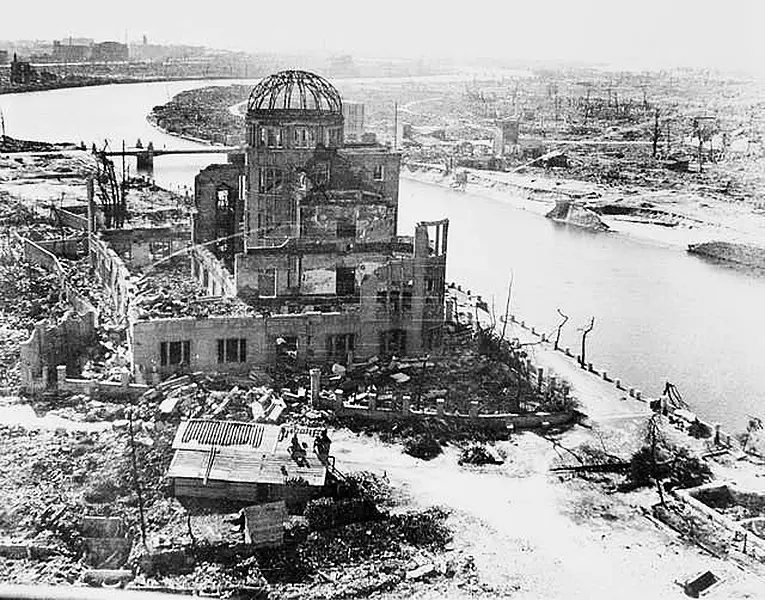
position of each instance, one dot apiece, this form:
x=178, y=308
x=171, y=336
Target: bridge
x=145, y=156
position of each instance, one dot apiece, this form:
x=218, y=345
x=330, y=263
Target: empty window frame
x=223, y=202
x=406, y=300
x=303, y=137
x=232, y=350
x=269, y=180
x=267, y=282
x=346, y=228
x=378, y=173
x=271, y=137
x=395, y=300
x=345, y=281
x=393, y=342
x=339, y=345
x=320, y=174
x=174, y=353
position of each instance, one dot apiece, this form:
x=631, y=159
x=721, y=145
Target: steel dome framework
x=295, y=90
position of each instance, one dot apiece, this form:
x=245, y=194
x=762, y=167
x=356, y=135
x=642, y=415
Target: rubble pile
x=14, y=213
x=169, y=291
x=30, y=293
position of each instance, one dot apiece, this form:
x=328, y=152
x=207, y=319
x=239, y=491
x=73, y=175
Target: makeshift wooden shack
x=246, y=462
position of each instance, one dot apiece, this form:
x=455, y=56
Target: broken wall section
x=51, y=344
x=211, y=274
x=112, y=273
x=141, y=247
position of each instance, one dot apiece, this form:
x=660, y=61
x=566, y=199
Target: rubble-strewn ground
x=168, y=290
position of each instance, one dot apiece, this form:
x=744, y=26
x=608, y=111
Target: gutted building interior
x=303, y=228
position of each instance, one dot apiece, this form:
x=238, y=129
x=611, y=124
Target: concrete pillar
x=339, y=399
x=60, y=376
x=544, y=337
x=45, y=376
x=440, y=404
x=551, y=384
x=533, y=331
x=632, y=392
x=540, y=378
x=638, y=394
x=406, y=405
x=372, y=398
x=473, y=410
x=155, y=378
x=618, y=384
x=605, y=375
x=568, y=351
x=590, y=368
x=125, y=378
x=315, y=386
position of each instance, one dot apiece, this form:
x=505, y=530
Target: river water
x=660, y=314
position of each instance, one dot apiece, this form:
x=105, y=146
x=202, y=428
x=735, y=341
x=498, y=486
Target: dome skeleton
x=295, y=90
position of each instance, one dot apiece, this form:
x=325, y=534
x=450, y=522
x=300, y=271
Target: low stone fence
x=100, y=389
x=721, y=438
x=401, y=408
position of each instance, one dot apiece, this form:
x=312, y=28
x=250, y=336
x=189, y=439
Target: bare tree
x=654, y=437
x=560, y=326
x=585, y=332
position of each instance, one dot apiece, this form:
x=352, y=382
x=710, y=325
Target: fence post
x=315, y=386
x=440, y=405
x=60, y=377
x=473, y=410
x=406, y=405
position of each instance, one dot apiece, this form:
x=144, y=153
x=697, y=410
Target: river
x=660, y=314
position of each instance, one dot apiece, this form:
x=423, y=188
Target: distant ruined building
x=303, y=228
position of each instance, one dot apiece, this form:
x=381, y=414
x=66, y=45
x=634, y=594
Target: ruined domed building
x=303, y=227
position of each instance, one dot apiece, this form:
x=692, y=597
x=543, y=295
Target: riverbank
x=694, y=219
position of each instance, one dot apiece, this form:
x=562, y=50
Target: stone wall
x=70, y=219
x=141, y=247
x=212, y=274
x=62, y=342
x=309, y=330
x=112, y=273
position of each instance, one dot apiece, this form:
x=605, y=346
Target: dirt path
x=533, y=536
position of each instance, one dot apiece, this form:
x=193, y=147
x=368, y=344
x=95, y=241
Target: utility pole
x=395, y=125
x=135, y=477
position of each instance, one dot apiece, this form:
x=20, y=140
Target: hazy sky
x=655, y=32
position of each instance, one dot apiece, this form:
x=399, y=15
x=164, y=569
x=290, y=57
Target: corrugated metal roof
x=205, y=433
x=243, y=465
x=241, y=452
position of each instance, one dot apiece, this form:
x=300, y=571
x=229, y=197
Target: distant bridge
x=145, y=156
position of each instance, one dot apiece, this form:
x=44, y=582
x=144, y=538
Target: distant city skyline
x=649, y=34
